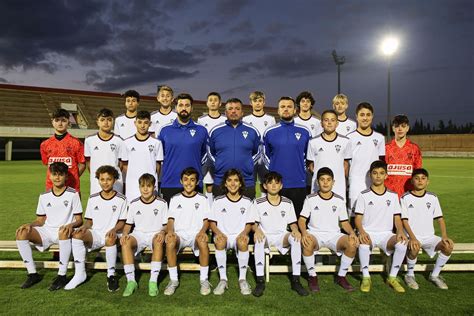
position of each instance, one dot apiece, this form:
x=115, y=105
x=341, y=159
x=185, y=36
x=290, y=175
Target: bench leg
x=267, y=267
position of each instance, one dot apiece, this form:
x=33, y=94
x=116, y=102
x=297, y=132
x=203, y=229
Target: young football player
x=231, y=223
x=419, y=209
x=142, y=154
x=165, y=113
x=104, y=148
x=59, y=211
x=340, y=103
x=305, y=102
x=187, y=227
x=125, y=124
x=273, y=213
x=148, y=216
x=105, y=217
x=62, y=147
x=377, y=212
x=327, y=213
x=402, y=157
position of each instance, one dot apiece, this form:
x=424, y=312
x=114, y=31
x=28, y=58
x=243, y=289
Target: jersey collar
x=176, y=123
x=290, y=123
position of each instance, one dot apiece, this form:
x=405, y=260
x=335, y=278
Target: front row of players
x=233, y=216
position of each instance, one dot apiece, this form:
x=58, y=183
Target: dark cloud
x=230, y=8
x=276, y=27
x=3, y=80
x=244, y=27
x=247, y=44
x=230, y=91
x=199, y=26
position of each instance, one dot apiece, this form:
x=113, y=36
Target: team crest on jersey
x=265, y=123
x=113, y=147
x=375, y=141
x=282, y=213
x=96, y=148
x=348, y=128
x=312, y=127
x=334, y=208
x=66, y=203
x=224, y=210
x=245, y=134
x=192, y=132
x=96, y=208
x=114, y=208
x=242, y=210
x=388, y=202
x=265, y=214
x=196, y=205
x=155, y=211
x=338, y=148
x=151, y=148
x=428, y=205
x=298, y=136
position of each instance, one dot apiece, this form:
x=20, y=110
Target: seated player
x=273, y=213
x=326, y=211
x=59, y=211
x=231, y=223
x=377, y=210
x=105, y=217
x=419, y=209
x=148, y=215
x=187, y=227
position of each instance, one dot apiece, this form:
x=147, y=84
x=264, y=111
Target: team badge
x=298, y=136
x=155, y=211
x=388, y=202
x=338, y=148
x=334, y=208
x=151, y=148
x=375, y=142
x=282, y=213
x=114, y=208
x=113, y=147
x=265, y=123
x=245, y=134
x=66, y=203
x=196, y=205
x=348, y=128
x=242, y=210
x=192, y=132
x=312, y=127
x=428, y=205
x=410, y=156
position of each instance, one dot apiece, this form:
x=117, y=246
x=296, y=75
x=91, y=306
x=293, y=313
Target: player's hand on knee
x=81, y=230
x=66, y=230
x=124, y=239
x=364, y=238
x=414, y=245
x=259, y=235
x=402, y=238
x=307, y=241
x=296, y=235
x=170, y=238
x=353, y=240
x=243, y=238
x=24, y=227
x=160, y=237
x=448, y=243
x=201, y=237
x=111, y=234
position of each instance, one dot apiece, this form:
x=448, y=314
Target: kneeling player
x=326, y=210
x=148, y=215
x=377, y=210
x=59, y=211
x=419, y=209
x=187, y=227
x=231, y=223
x=106, y=213
x=273, y=213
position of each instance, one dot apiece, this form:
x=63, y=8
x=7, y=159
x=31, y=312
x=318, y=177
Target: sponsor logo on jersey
x=96, y=148
x=155, y=211
x=179, y=206
x=428, y=205
x=388, y=202
x=196, y=205
x=283, y=213
x=66, y=203
x=66, y=160
x=114, y=208
x=371, y=203
x=242, y=210
x=265, y=214
x=334, y=208
x=245, y=134
x=411, y=206
x=375, y=142
x=399, y=170
x=139, y=213
x=48, y=205
x=192, y=132
x=338, y=148
x=96, y=208
x=151, y=148
x=113, y=147
x=298, y=136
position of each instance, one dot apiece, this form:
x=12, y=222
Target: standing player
x=62, y=147
x=330, y=150
x=419, y=209
x=165, y=113
x=147, y=215
x=402, y=157
x=142, y=154
x=231, y=222
x=377, y=212
x=104, y=148
x=340, y=103
x=305, y=102
x=209, y=121
x=273, y=214
x=59, y=211
x=187, y=227
x=105, y=217
x=125, y=123
x=367, y=146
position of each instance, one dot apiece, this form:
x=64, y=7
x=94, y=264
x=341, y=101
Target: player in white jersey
x=59, y=211
x=340, y=103
x=209, y=120
x=147, y=215
x=187, y=227
x=105, y=217
x=165, y=113
x=231, y=222
x=142, y=154
x=330, y=150
x=305, y=102
x=327, y=212
x=104, y=148
x=367, y=146
x=125, y=123
x=419, y=209
x=377, y=212
x=273, y=214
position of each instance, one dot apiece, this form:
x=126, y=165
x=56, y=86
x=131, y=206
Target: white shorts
x=144, y=240
x=328, y=240
x=231, y=242
x=429, y=243
x=380, y=240
x=188, y=241
x=98, y=239
x=276, y=240
x=49, y=236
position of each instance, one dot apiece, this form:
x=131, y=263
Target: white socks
x=440, y=262
x=295, y=252
x=173, y=271
x=221, y=259
x=79, y=254
x=309, y=263
x=345, y=264
x=397, y=258
x=65, y=250
x=243, y=259
x=364, y=258
x=411, y=266
x=111, y=259
x=259, y=254
x=155, y=271
x=203, y=273
x=27, y=255
x=129, y=272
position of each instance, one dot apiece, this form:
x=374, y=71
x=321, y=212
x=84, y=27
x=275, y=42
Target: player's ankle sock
x=111, y=259
x=309, y=263
x=27, y=255
x=259, y=254
x=345, y=264
x=364, y=258
x=243, y=259
x=221, y=259
x=155, y=271
x=440, y=262
x=295, y=252
x=397, y=260
x=65, y=250
x=173, y=271
x=411, y=266
x=129, y=272
x=79, y=254
x=203, y=273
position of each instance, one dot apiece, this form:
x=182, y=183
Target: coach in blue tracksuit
x=285, y=146
x=234, y=144
x=184, y=145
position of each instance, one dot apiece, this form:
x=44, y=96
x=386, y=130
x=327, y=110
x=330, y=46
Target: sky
x=235, y=47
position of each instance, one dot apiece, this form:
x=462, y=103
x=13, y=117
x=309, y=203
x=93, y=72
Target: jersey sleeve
x=348, y=151
x=88, y=214
x=437, y=212
x=76, y=204
x=256, y=152
x=342, y=212
x=164, y=219
x=40, y=211
x=206, y=210
x=396, y=206
x=381, y=146
x=44, y=153
x=80, y=152
x=306, y=211
x=123, y=211
x=204, y=147
x=403, y=208
x=130, y=216
x=87, y=150
x=213, y=213
x=124, y=152
x=418, y=161
x=292, y=216
x=309, y=153
x=172, y=209
x=360, y=205
x=254, y=212
x=116, y=127
x=272, y=121
x=159, y=151
x=266, y=151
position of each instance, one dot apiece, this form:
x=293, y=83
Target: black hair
x=58, y=167
x=107, y=169
x=287, y=99
x=60, y=113
x=378, y=164
x=233, y=172
x=184, y=96
x=105, y=113
x=272, y=175
x=422, y=171
x=215, y=94
x=324, y=171
x=327, y=112
x=141, y=115
x=190, y=171
x=132, y=94
x=305, y=95
x=365, y=105
x=400, y=119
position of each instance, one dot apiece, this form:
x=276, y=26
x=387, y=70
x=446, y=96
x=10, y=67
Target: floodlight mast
x=389, y=47
x=339, y=60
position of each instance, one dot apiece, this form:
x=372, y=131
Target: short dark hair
x=105, y=113
x=147, y=178
x=58, y=167
x=272, y=175
x=365, y=105
x=60, y=113
x=305, y=95
x=190, y=171
x=233, y=100
x=132, y=94
x=184, y=96
x=324, y=171
x=233, y=172
x=107, y=169
x=400, y=119
x=422, y=171
x=328, y=112
x=378, y=164
x=214, y=93
x=286, y=98
x=141, y=115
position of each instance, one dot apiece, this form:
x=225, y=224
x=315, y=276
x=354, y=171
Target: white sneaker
x=245, y=287
x=439, y=282
x=411, y=282
x=221, y=287
x=205, y=287
x=171, y=287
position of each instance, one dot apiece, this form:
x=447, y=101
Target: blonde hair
x=340, y=97
x=165, y=88
x=256, y=94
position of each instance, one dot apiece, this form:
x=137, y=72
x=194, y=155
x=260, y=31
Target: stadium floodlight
x=339, y=60
x=388, y=47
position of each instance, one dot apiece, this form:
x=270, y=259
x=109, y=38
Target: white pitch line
x=457, y=177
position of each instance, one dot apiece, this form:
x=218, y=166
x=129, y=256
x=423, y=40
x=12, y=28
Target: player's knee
x=202, y=245
x=170, y=241
x=77, y=235
x=447, y=250
x=63, y=235
x=110, y=241
x=243, y=241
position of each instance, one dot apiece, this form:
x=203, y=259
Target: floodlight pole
x=389, y=106
x=339, y=60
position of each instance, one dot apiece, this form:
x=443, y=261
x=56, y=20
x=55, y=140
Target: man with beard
x=285, y=147
x=184, y=145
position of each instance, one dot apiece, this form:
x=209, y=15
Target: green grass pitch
x=22, y=181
